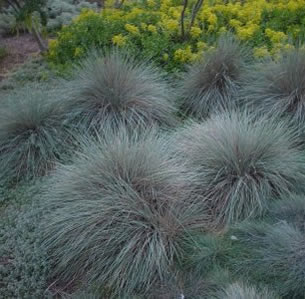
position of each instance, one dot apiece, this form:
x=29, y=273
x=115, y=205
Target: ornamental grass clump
x=32, y=134
x=119, y=213
x=243, y=162
x=190, y=285
x=278, y=87
x=212, y=84
x=115, y=88
x=276, y=256
x=239, y=290
x=291, y=210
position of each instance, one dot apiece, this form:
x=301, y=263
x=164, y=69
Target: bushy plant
x=53, y=13
x=191, y=285
x=204, y=252
x=33, y=135
x=278, y=87
x=241, y=291
x=7, y=22
x=242, y=162
x=277, y=256
x=115, y=88
x=119, y=213
x=212, y=84
x=61, y=12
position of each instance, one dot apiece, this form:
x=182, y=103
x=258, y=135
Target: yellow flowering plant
x=169, y=31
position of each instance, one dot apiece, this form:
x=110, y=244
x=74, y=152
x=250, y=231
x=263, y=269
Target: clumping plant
x=291, y=210
x=242, y=162
x=277, y=256
x=181, y=284
x=203, y=252
x=239, y=290
x=119, y=212
x=278, y=86
x=32, y=134
x=212, y=84
x=115, y=88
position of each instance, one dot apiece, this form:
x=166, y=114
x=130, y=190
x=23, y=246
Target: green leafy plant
x=242, y=162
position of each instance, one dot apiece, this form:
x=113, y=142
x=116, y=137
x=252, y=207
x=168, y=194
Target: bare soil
x=19, y=49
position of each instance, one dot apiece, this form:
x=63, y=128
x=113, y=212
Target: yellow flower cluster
x=119, y=40
x=276, y=37
x=132, y=29
x=184, y=55
x=156, y=24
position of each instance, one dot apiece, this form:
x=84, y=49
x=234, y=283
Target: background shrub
x=120, y=210
x=56, y=13
x=242, y=162
x=61, y=12
x=153, y=29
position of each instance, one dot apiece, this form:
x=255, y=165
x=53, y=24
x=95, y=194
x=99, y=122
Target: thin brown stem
x=185, y=3
x=195, y=11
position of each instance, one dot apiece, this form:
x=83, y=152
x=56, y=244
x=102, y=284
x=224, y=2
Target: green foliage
x=242, y=162
x=33, y=135
x=115, y=89
x=212, y=85
x=291, y=22
x=100, y=30
x=120, y=210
